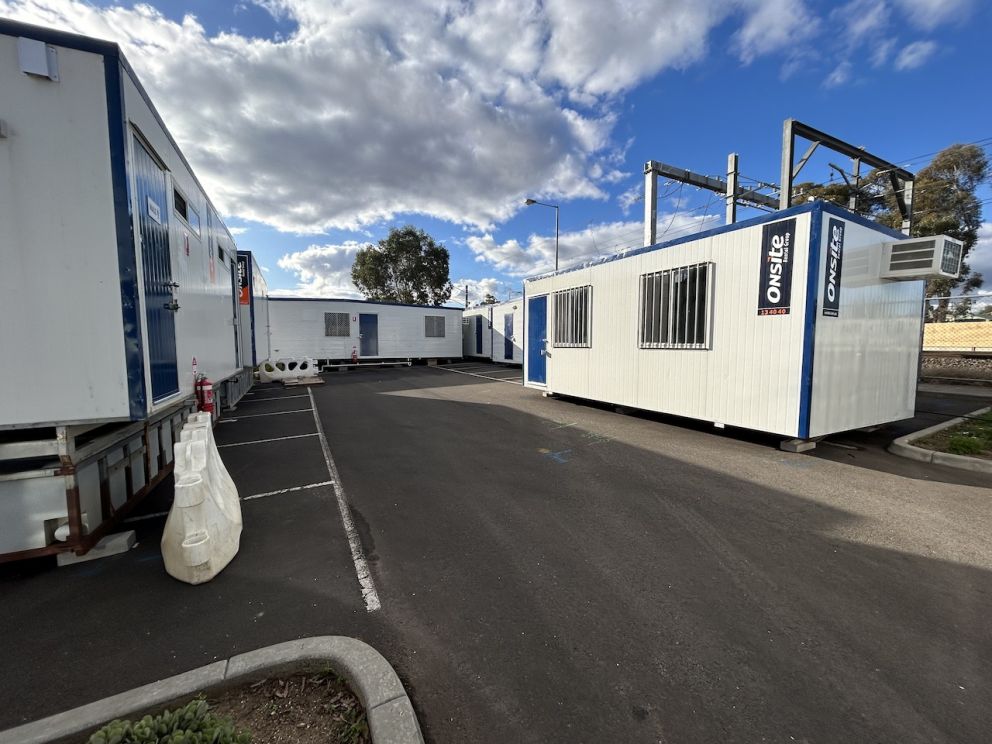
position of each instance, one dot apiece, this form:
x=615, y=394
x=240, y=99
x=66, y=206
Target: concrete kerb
x=904, y=448
x=390, y=714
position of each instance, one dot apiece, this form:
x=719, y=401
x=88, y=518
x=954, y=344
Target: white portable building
x=495, y=332
x=331, y=330
x=253, y=299
x=118, y=281
x=801, y=323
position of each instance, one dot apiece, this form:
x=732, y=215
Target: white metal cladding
x=62, y=325
x=298, y=329
x=515, y=324
x=865, y=359
x=205, y=320
x=472, y=347
x=750, y=377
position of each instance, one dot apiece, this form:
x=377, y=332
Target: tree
x=406, y=266
x=489, y=299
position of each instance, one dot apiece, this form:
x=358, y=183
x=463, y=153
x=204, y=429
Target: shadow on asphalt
x=540, y=584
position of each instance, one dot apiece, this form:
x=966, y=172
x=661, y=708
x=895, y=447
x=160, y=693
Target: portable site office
x=494, y=332
x=117, y=274
x=332, y=330
x=801, y=323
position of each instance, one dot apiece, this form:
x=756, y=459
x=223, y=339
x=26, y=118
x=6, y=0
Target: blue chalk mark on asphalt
x=559, y=457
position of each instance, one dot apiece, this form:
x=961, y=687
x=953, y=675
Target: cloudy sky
x=316, y=125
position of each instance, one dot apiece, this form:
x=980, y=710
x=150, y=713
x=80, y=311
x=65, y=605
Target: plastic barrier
x=287, y=369
x=203, y=531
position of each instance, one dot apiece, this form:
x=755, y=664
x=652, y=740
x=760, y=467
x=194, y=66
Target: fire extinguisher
x=204, y=394
x=354, y=354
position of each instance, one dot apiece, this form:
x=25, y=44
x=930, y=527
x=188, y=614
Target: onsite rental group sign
x=244, y=292
x=775, y=289
x=831, y=276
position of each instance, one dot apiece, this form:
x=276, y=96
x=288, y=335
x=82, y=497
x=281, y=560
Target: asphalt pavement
x=552, y=571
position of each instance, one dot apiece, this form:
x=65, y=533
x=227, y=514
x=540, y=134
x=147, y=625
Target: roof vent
x=922, y=258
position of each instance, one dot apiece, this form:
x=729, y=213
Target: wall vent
x=922, y=258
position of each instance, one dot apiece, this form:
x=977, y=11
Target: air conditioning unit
x=922, y=258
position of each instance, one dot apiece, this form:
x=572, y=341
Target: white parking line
x=259, y=415
x=484, y=377
x=263, y=441
x=369, y=594
x=272, y=397
x=155, y=515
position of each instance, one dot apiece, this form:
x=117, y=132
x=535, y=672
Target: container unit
x=801, y=323
x=332, y=330
x=495, y=332
x=253, y=301
x=121, y=277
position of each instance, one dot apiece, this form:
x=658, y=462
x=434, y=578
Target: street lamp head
x=528, y=202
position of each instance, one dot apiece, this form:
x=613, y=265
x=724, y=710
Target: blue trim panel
x=362, y=302
x=781, y=214
x=127, y=262
x=809, y=326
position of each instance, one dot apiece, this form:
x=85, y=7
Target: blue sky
x=317, y=126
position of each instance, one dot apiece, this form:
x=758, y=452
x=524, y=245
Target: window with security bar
x=434, y=326
x=573, y=317
x=336, y=324
x=675, y=308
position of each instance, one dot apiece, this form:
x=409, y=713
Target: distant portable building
x=332, y=330
x=495, y=332
x=802, y=323
x=119, y=280
x=253, y=300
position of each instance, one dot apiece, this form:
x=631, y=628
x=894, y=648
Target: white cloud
x=537, y=254
x=882, y=51
x=630, y=197
x=321, y=271
x=840, y=75
x=238, y=230
x=772, y=26
x=928, y=14
x=479, y=288
x=374, y=108
x=915, y=55
x=861, y=19
x=980, y=256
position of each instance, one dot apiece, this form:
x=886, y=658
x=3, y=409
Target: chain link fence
x=957, y=339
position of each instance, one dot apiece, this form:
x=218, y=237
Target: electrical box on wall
x=38, y=58
x=922, y=258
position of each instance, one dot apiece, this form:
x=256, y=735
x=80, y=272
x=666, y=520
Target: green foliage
x=191, y=724
x=489, y=299
x=964, y=444
x=406, y=266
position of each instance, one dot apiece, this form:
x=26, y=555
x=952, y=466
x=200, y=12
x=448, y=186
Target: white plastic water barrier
x=287, y=369
x=203, y=531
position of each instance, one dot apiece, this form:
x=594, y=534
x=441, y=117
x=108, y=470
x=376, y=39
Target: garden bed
x=970, y=438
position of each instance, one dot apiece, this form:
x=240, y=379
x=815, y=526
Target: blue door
x=537, y=339
x=478, y=334
x=160, y=308
x=368, y=330
x=508, y=336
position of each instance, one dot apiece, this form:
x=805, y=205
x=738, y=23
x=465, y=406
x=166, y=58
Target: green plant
x=191, y=724
x=965, y=444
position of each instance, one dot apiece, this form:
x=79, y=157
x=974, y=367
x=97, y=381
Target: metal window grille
x=434, y=326
x=336, y=324
x=675, y=308
x=573, y=316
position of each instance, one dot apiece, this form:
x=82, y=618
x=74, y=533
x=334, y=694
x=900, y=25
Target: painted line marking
x=274, y=397
x=263, y=441
x=369, y=594
x=155, y=515
x=274, y=413
x=482, y=377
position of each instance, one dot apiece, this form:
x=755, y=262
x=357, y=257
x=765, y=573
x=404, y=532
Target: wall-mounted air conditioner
x=922, y=258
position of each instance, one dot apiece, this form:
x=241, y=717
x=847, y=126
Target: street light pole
x=528, y=203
